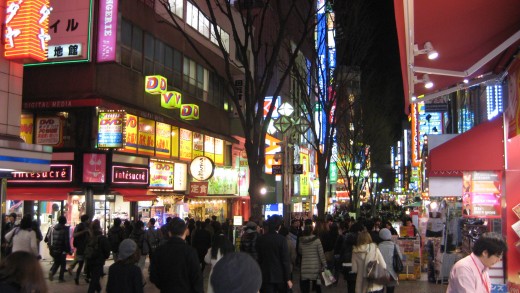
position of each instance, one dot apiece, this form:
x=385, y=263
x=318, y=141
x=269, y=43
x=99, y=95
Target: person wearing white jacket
x=23, y=237
x=364, y=252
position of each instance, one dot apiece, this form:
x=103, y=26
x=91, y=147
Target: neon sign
x=27, y=30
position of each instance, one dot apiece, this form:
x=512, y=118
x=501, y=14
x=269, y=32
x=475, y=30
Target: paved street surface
x=70, y=287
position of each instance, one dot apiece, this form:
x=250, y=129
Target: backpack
x=92, y=249
x=154, y=239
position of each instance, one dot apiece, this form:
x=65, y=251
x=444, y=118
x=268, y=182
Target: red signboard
x=198, y=188
x=26, y=30
x=94, y=168
x=130, y=175
x=58, y=173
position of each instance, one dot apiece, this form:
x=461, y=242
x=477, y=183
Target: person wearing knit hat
x=124, y=275
x=236, y=272
x=387, y=248
x=248, y=239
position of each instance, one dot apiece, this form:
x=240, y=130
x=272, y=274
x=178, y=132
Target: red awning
x=473, y=38
x=131, y=194
x=479, y=149
x=38, y=193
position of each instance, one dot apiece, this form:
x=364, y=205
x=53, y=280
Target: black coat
x=126, y=278
x=175, y=267
x=273, y=258
x=201, y=241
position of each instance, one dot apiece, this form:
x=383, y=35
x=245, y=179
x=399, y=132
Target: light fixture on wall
x=425, y=79
x=428, y=50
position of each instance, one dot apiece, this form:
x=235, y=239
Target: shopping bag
x=397, y=262
x=376, y=273
x=327, y=278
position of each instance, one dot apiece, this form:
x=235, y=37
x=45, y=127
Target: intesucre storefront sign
x=130, y=175
x=58, y=173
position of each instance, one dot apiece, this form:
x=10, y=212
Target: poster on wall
x=185, y=144
x=161, y=174
x=304, y=177
x=224, y=181
x=180, y=176
x=219, y=151
x=198, y=145
x=111, y=129
x=27, y=128
x=94, y=168
x=481, y=194
x=146, y=137
x=49, y=131
x=175, y=142
x=209, y=147
x=162, y=140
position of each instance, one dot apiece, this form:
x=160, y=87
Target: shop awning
x=475, y=41
x=132, y=194
x=39, y=193
x=479, y=149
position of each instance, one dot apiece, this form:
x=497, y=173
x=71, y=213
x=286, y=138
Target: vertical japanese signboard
x=304, y=178
x=131, y=134
x=27, y=128
x=162, y=140
x=198, y=145
x=185, y=144
x=26, y=34
x=146, y=136
x=209, y=147
x=111, y=129
x=175, y=141
x=481, y=194
x=219, y=151
x=107, y=30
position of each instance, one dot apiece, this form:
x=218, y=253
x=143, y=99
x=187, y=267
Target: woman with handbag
x=388, y=248
x=313, y=260
x=362, y=254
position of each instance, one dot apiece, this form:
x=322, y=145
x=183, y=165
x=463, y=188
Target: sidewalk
x=420, y=286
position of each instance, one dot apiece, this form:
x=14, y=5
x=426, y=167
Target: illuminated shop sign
x=27, y=30
x=65, y=51
x=107, y=30
x=49, y=131
x=158, y=85
x=129, y=175
x=58, y=173
x=201, y=168
x=161, y=174
x=111, y=129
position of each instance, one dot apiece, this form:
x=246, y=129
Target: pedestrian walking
x=364, y=252
x=201, y=241
x=21, y=272
x=313, y=260
x=220, y=247
x=96, y=253
x=387, y=248
x=138, y=235
x=152, y=237
x=81, y=234
x=58, y=240
x=175, y=266
x=116, y=234
x=248, y=239
x=470, y=274
x=274, y=259
x=236, y=272
x=124, y=275
x=350, y=240
x=23, y=237
x=8, y=224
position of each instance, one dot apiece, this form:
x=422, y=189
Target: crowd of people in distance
x=265, y=259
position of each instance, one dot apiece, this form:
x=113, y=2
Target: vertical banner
x=146, y=134
x=219, y=151
x=27, y=128
x=175, y=142
x=304, y=178
x=107, y=31
x=481, y=194
x=209, y=147
x=198, y=145
x=180, y=176
x=131, y=134
x=94, y=168
x=185, y=144
x=162, y=140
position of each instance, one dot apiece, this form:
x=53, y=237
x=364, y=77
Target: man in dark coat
x=58, y=239
x=201, y=241
x=273, y=258
x=81, y=234
x=175, y=265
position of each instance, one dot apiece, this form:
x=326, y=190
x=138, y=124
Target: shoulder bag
x=397, y=262
x=376, y=273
